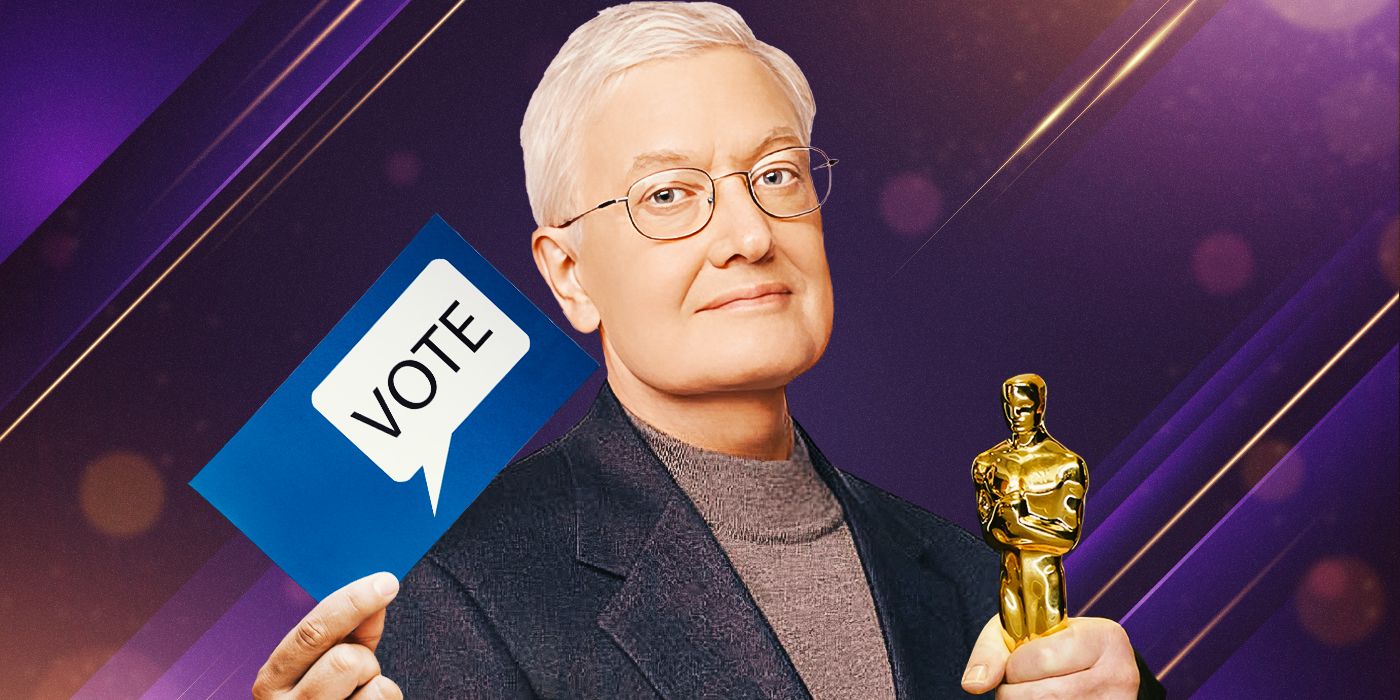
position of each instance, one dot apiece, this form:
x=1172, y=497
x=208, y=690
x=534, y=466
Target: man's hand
x=330, y=653
x=1091, y=658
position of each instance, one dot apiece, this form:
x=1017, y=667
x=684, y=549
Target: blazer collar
x=683, y=615
x=919, y=606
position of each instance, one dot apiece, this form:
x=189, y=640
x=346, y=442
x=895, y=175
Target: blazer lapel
x=918, y=606
x=682, y=614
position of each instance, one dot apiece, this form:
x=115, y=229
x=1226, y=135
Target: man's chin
x=743, y=373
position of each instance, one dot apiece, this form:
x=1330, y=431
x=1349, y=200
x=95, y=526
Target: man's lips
x=751, y=292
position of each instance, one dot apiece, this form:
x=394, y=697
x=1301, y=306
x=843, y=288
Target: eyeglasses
x=679, y=202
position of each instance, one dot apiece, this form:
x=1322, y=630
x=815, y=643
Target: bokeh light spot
x=911, y=204
x=58, y=249
x=71, y=671
x=65, y=675
x=1326, y=15
x=121, y=494
x=1359, y=117
x=1268, y=456
x=1388, y=252
x=1340, y=600
x=402, y=168
x=1222, y=263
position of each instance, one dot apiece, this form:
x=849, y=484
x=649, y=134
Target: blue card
x=397, y=420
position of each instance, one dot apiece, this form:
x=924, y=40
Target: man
x=686, y=538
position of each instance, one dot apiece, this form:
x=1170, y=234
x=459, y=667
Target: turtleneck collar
x=743, y=498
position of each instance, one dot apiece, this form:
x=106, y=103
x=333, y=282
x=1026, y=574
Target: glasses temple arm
x=606, y=204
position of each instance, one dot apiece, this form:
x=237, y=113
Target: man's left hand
x=1090, y=658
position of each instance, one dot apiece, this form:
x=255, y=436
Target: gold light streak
x=1138, y=57
x=1231, y=605
x=257, y=101
x=1044, y=125
x=291, y=148
x=285, y=39
x=334, y=127
x=296, y=62
x=1147, y=48
x=1200, y=493
x=222, y=216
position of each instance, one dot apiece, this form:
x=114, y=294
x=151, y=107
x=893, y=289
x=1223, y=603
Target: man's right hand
x=330, y=653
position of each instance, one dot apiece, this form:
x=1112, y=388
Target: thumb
x=987, y=663
x=371, y=629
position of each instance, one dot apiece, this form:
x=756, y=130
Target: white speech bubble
x=396, y=394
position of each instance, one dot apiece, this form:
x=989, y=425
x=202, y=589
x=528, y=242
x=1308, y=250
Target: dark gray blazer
x=584, y=571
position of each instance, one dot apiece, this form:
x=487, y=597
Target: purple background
x=1177, y=266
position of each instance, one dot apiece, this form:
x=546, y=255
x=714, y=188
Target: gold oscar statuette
x=1030, y=500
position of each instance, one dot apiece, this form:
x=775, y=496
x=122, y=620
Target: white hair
x=587, y=67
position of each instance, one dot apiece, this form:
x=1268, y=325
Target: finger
x=338, y=673
x=1075, y=648
x=987, y=662
x=341, y=613
x=1075, y=685
x=378, y=688
x=369, y=632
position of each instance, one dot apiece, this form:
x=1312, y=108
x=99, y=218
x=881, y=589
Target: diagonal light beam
x=1258, y=435
x=222, y=216
x=1134, y=59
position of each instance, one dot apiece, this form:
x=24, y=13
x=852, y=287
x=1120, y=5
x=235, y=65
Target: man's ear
x=557, y=260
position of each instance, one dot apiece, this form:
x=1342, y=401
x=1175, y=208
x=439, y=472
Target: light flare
x=1137, y=57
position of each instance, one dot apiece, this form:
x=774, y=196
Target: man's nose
x=740, y=228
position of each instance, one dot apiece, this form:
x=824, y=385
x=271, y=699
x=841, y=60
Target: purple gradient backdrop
x=1177, y=267
x=79, y=77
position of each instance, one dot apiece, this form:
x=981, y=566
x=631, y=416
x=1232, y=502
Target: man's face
x=719, y=110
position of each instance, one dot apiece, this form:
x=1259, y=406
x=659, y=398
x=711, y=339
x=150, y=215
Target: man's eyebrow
x=781, y=133
x=647, y=162
x=650, y=161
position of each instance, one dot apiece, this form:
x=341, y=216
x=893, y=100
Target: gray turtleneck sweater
x=784, y=532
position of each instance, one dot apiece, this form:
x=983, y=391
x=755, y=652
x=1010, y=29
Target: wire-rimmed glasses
x=679, y=202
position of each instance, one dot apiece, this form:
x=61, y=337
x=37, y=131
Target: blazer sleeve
x=438, y=643
x=1149, y=688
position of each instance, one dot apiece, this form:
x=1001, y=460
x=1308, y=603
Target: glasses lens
x=671, y=203
x=792, y=182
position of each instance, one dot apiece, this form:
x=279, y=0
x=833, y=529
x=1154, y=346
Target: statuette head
x=1023, y=403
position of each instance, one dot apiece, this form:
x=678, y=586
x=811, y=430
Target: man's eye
x=777, y=177
x=666, y=197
